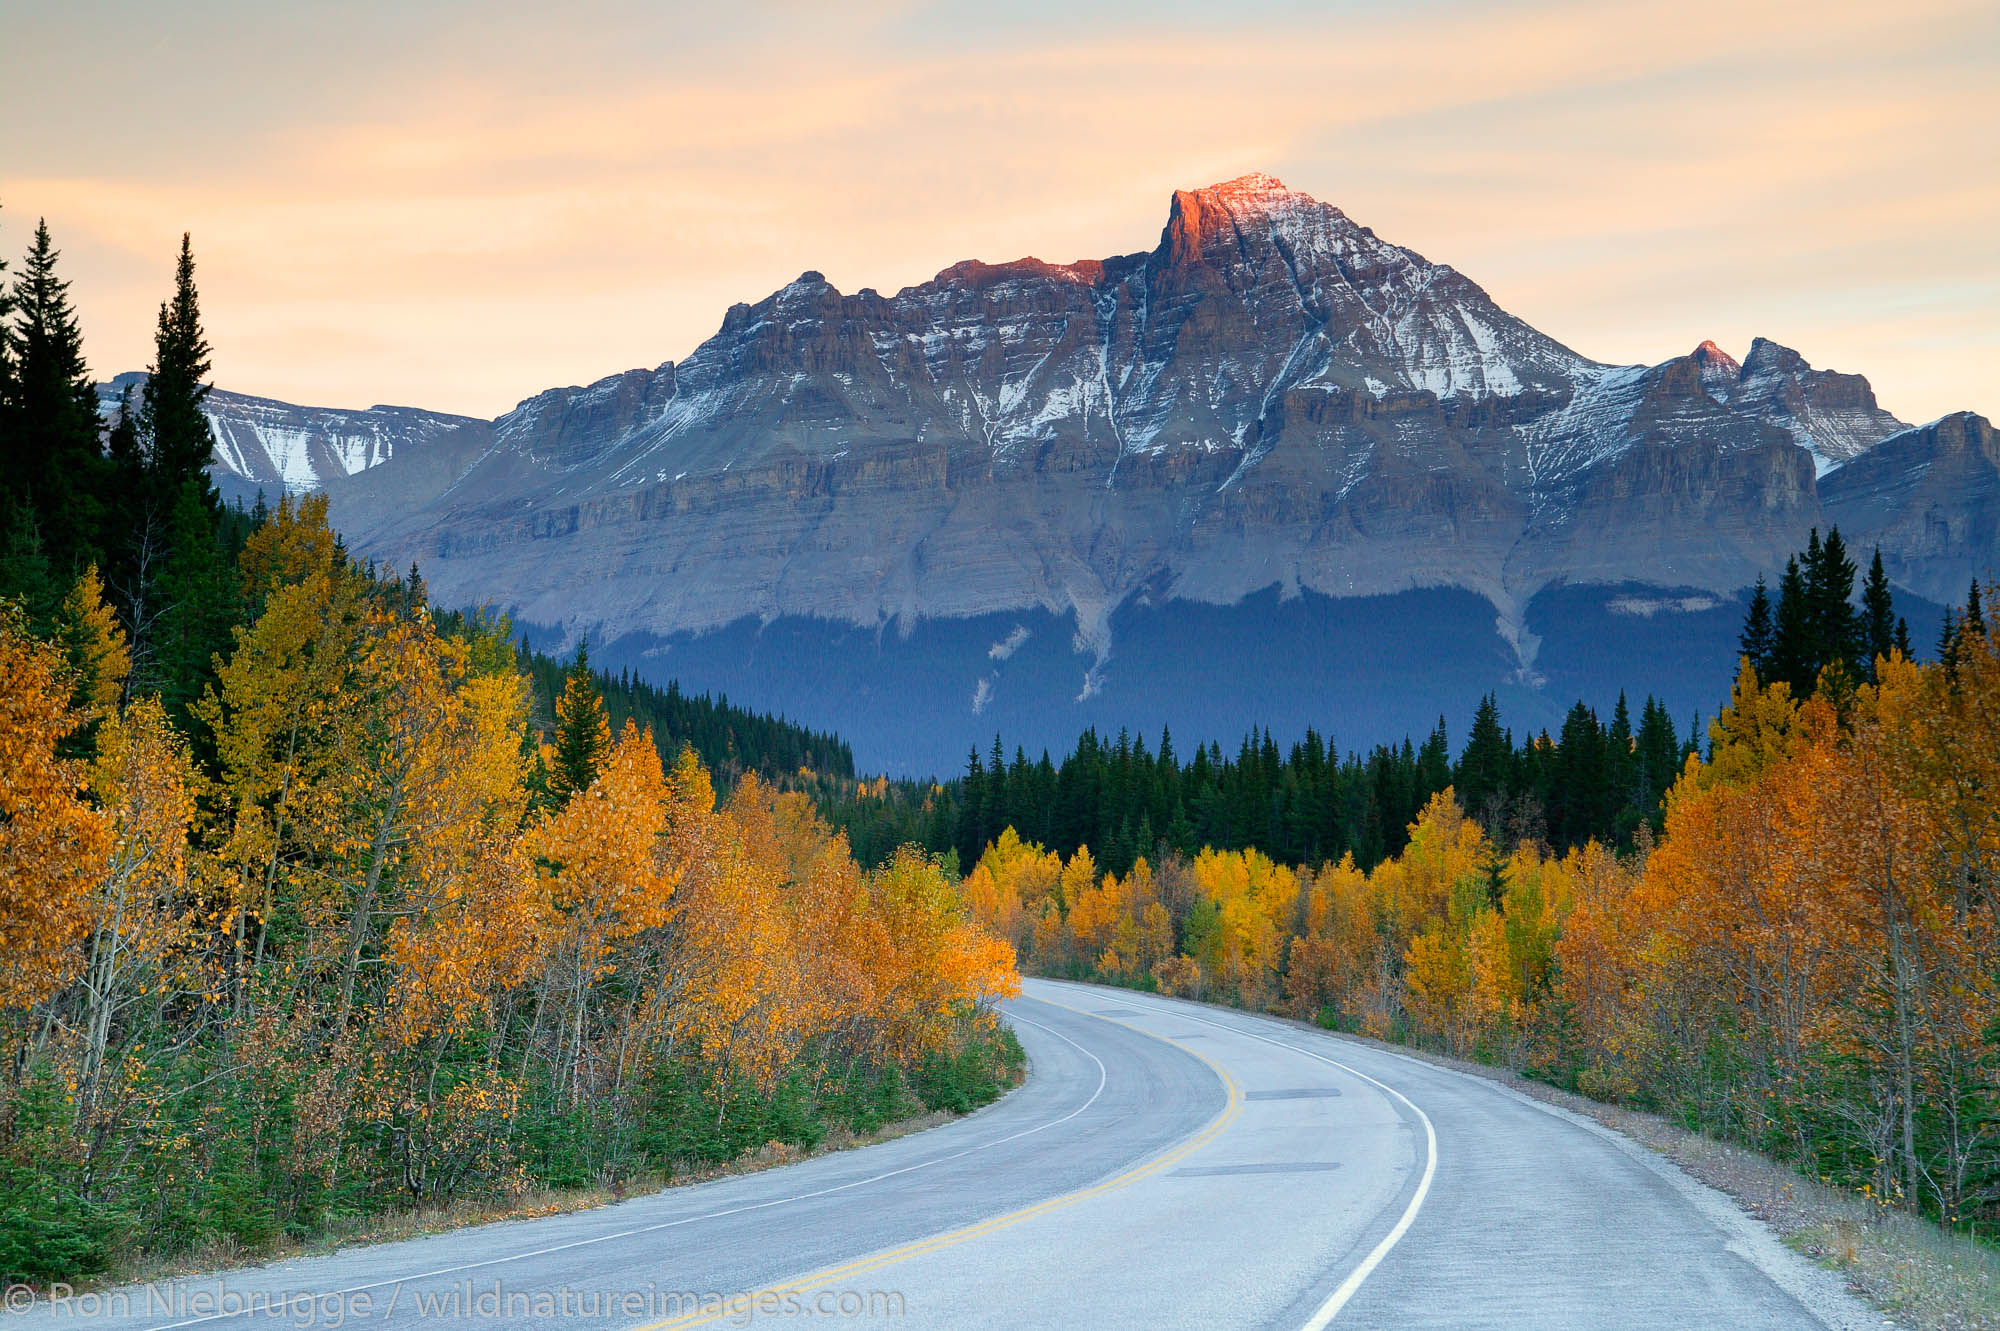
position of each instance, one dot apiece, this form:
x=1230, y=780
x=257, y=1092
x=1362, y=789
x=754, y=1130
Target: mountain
x=1931, y=496
x=1275, y=470
x=1832, y=416
x=270, y=447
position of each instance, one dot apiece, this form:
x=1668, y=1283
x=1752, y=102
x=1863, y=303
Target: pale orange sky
x=457, y=205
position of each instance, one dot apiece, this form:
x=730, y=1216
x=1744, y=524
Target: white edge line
x=1337, y=1300
x=282, y=1308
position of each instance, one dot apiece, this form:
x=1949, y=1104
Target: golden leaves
x=52, y=843
x=354, y=915
x=601, y=852
x=94, y=646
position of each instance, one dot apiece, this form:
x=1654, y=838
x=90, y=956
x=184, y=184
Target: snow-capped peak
x=1251, y=189
x=1718, y=369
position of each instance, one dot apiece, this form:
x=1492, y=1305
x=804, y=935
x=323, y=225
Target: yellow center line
x=951, y=1238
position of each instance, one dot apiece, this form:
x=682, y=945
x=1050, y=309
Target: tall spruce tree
x=1756, y=640
x=10, y=458
x=1947, y=648
x=52, y=455
x=1493, y=869
x=197, y=592
x=1878, y=613
x=1815, y=623
x=972, y=805
x=1659, y=752
x=177, y=576
x=1621, y=763
x=995, y=821
x=178, y=442
x=1791, y=658
x=1433, y=762
x=1837, y=629
x=24, y=567
x=1485, y=769
x=583, y=731
x=1580, y=799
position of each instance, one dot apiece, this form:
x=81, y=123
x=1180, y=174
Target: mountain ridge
x=1271, y=396
x=263, y=445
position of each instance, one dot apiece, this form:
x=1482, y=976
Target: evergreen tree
x=176, y=573
x=52, y=457
x=1975, y=616
x=25, y=575
x=1837, y=632
x=1180, y=837
x=728, y=739
x=1623, y=798
x=1878, y=613
x=1493, y=872
x=1659, y=752
x=178, y=442
x=1756, y=640
x=197, y=600
x=972, y=810
x=1792, y=646
x=417, y=597
x=1023, y=806
x=1947, y=649
x=995, y=821
x=1903, y=638
x=12, y=460
x=1433, y=764
x=583, y=732
x=1579, y=799
x=1485, y=769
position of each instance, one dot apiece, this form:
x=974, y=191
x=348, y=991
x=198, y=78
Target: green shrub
x=48, y=1228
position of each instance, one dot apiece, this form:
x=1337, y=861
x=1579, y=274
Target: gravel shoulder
x=1913, y=1273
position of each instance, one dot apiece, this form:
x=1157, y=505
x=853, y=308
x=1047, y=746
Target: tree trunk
x=1901, y=981
x=363, y=915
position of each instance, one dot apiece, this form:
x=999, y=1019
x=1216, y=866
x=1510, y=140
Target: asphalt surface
x=1165, y=1165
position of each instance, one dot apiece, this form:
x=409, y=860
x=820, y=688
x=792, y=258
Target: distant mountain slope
x=277, y=448
x=1931, y=496
x=1272, y=398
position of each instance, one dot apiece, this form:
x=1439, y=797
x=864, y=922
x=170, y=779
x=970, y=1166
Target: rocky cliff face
x=1272, y=396
x=1931, y=497
x=1832, y=416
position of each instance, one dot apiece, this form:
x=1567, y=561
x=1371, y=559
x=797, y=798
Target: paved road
x=1166, y=1165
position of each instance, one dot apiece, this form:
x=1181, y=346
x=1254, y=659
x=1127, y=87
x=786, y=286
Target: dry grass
x=417, y=1222
x=1914, y=1272
x=410, y=1222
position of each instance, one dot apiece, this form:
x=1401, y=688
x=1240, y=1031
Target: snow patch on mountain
x=1589, y=428
x=1008, y=645
x=1646, y=607
x=281, y=448
x=1831, y=415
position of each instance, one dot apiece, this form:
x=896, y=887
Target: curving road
x=1166, y=1165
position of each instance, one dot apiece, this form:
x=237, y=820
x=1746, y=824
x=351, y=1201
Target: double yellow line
x=954, y=1237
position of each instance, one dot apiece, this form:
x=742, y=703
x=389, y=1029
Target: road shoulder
x=1851, y=1262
